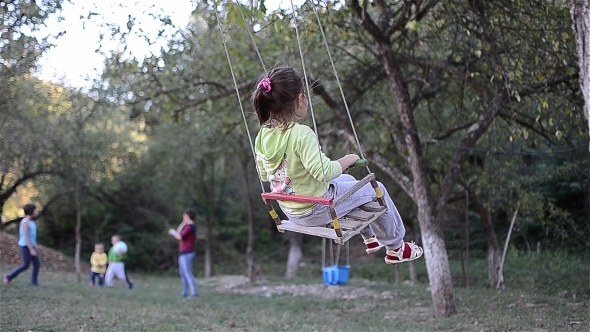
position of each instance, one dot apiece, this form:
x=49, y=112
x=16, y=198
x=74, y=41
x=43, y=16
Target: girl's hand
x=33, y=251
x=347, y=160
x=172, y=231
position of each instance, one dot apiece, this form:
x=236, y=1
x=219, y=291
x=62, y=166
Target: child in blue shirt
x=27, y=241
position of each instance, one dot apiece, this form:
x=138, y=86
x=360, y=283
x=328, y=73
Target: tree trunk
x=435, y=252
x=495, y=275
x=295, y=254
x=437, y=263
x=210, y=214
x=413, y=274
x=580, y=13
x=467, y=241
x=207, y=259
x=250, y=266
x=78, y=199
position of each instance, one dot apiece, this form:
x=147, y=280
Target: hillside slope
x=51, y=260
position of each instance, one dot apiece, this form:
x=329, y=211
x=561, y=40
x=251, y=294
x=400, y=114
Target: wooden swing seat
x=340, y=230
x=351, y=224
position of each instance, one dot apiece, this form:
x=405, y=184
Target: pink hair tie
x=265, y=84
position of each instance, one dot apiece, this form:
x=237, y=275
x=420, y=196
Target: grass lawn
x=546, y=298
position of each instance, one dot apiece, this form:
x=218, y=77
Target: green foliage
x=19, y=47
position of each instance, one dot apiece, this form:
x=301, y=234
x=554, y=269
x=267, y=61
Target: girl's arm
x=348, y=160
x=315, y=161
x=32, y=249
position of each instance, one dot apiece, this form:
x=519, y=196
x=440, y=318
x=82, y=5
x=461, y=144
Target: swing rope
x=330, y=203
x=231, y=68
x=252, y=38
x=332, y=260
x=339, y=85
x=310, y=104
x=257, y=50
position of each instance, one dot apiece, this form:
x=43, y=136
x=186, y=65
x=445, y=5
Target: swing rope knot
x=265, y=84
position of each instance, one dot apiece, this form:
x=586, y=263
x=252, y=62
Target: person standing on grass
x=27, y=241
x=186, y=233
x=117, y=256
x=98, y=262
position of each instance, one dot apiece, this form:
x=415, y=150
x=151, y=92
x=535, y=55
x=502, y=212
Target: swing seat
x=340, y=230
x=351, y=224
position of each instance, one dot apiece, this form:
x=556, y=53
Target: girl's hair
x=276, y=95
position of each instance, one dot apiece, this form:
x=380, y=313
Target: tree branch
x=381, y=162
x=366, y=20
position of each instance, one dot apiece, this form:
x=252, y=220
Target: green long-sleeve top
x=293, y=164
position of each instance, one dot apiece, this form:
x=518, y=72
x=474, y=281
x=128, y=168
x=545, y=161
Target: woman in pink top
x=186, y=234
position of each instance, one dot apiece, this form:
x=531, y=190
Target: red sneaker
x=407, y=252
x=372, y=244
x=6, y=281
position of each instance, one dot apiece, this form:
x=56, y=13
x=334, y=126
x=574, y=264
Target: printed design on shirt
x=279, y=181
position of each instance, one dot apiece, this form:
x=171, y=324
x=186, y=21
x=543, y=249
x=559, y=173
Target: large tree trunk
x=437, y=262
x=435, y=252
x=429, y=212
x=295, y=254
x=495, y=275
x=581, y=24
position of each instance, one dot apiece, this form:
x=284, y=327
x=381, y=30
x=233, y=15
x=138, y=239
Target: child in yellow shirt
x=98, y=260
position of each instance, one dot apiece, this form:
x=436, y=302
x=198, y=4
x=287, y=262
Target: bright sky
x=74, y=59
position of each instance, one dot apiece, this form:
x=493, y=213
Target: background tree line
x=466, y=110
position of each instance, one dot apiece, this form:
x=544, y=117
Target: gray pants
x=116, y=269
x=388, y=228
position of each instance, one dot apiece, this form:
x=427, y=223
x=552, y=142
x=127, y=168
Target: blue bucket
x=336, y=275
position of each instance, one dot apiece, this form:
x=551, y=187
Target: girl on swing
x=287, y=157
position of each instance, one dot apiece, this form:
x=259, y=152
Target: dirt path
x=240, y=285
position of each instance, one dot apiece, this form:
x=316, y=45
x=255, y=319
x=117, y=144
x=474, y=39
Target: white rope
x=252, y=37
x=310, y=104
x=239, y=97
x=339, y=85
